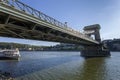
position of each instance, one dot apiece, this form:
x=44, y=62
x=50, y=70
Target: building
x=113, y=45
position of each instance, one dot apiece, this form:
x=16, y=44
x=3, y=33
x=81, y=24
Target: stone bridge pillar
x=94, y=50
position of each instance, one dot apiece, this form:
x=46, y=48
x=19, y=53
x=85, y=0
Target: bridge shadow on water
x=93, y=69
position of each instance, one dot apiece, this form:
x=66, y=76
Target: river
x=48, y=65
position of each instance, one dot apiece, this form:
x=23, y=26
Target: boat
x=10, y=54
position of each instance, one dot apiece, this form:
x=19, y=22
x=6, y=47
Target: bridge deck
x=21, y=21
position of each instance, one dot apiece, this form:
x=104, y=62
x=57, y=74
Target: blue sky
x=79, y=13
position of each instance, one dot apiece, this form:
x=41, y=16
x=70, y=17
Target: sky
x=78, y=13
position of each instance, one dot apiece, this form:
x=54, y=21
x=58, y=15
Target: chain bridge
x=18, y=20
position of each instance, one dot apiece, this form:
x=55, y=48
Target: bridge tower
x=93, y=30
x=94, y=50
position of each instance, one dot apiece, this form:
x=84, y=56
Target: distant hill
x=5, y=45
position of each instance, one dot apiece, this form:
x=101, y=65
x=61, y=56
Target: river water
x=38, y=65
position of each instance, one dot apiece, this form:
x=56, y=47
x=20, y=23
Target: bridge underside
x=18, y=20
x=11, y=26
x=18, y=28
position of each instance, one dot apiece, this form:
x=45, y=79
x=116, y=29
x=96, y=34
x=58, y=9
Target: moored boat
x=11, y=54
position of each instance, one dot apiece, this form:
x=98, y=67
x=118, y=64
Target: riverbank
x=5, y=76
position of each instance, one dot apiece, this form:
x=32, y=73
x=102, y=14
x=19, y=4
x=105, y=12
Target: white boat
x=12, y=54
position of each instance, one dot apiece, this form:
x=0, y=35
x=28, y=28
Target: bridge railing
x=16, y=4
x=27, y=9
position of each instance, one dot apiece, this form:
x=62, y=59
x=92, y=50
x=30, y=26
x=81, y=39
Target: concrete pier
x=95, y=51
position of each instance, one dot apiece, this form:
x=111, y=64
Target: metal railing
x=31, y=11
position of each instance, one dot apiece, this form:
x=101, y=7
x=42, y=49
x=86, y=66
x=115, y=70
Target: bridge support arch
x=94, y=50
